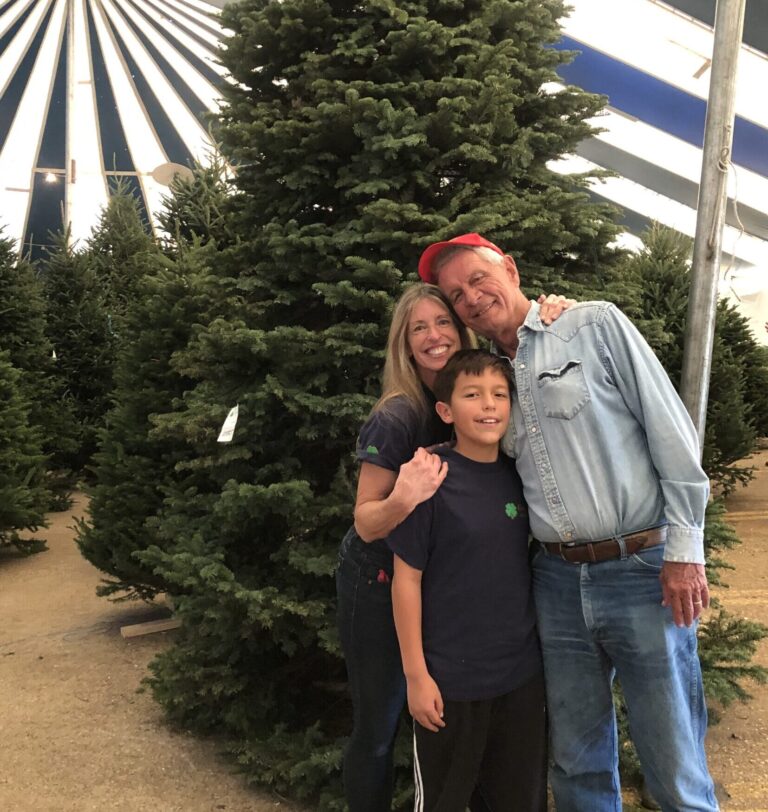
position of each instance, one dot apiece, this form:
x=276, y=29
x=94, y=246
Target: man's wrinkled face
x=483, y=293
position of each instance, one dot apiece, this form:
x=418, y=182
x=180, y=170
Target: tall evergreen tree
x=360, y=132
x=23, y=497
x=180, y=292
x=88, y=289
x=134, y=467
x=735, y=414
x=125, y=280
x=78, y=328
x=23, y=336
x=736, y=408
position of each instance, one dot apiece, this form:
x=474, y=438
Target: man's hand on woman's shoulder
x=553, y=306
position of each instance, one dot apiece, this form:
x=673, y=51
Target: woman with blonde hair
x=396, y=474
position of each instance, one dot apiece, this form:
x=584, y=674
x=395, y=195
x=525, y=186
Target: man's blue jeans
x=606, y=619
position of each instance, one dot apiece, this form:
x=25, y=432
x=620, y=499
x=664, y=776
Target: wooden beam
x=150, y=627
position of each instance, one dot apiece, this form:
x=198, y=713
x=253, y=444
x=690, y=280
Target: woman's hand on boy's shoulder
x=425, y=702
x=553, y=306
x=420, y=477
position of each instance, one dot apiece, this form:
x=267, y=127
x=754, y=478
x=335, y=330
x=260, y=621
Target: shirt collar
x=532, y=319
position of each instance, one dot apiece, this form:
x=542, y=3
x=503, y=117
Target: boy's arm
x=424, y=700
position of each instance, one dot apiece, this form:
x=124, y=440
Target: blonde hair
x=400, y=376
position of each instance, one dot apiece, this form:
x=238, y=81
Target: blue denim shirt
x=608, y=447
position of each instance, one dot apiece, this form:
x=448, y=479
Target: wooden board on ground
x=150, y=627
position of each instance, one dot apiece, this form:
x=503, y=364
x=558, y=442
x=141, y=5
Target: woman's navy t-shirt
x=391, y=435
x=389, y=438
x=471, y=542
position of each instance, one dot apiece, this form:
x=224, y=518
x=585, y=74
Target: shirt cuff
x=684, y=545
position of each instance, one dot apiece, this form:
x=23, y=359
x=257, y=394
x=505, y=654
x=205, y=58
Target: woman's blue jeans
x=374, y=669
x=606, y=619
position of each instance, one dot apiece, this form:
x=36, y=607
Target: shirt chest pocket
x=563, y=390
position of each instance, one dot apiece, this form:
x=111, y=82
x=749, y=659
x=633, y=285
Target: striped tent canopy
x=94, y=93
x=652, y=60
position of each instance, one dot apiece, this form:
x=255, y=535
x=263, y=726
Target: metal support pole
x=705, y=271
x=70, y=126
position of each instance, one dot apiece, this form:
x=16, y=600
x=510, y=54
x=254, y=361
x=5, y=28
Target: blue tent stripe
x=6, y=39
x=200, y=65
x=657, y=103
x=114, y=146
x=172, y=143
x=9, y=103
x=53, y=149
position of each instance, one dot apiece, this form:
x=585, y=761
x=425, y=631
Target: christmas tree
x=78, y=328
x=23, y=497
x=735, y=417
x=23, y=337
x=359, y=134
x=134, y=467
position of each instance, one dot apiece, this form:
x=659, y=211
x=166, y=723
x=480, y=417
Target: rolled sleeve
x=672, y=440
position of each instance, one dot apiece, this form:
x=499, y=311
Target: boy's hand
x=552, y=307
x=420, y=477
x=425, y=703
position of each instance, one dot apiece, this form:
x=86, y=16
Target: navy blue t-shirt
x=390, y=436
x=471, y=542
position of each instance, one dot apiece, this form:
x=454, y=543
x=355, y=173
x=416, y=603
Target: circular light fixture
x=165, y=173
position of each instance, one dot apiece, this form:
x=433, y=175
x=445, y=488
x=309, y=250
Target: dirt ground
x=738, y=746
x=76, y=736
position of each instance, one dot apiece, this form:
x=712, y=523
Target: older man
x=616, y=497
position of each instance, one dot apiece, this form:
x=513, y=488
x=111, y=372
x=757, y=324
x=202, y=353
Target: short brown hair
x=470, y=362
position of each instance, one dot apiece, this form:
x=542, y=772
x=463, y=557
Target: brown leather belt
x=592, y=552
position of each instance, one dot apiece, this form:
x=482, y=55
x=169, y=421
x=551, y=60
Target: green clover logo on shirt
x=511, y=510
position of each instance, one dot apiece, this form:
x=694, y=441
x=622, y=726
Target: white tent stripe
x=87, y=189
x=169, y=24
x=199, y=85
x=18, y=47
x=171, y=7
x=9, y=17
x=186, y=124
x=17, y=160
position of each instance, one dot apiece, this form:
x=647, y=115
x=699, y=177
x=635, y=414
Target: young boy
x=463, y=611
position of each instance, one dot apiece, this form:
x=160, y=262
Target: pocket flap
x=557, y=372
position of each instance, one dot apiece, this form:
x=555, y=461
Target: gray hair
x=447, y=254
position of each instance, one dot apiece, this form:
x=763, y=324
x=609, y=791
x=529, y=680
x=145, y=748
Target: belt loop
x=622, y=546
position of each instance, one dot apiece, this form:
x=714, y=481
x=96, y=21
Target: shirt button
x=533, y=429
x=522, y=366
x=569, y=535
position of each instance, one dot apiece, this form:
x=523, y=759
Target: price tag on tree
x=228, y=427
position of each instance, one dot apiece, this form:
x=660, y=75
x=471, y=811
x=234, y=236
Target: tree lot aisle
x=76, y=737
x=738, y=746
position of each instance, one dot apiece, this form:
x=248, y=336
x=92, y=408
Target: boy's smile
x=479, y=410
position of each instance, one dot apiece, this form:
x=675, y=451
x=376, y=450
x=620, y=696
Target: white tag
x=228, y=427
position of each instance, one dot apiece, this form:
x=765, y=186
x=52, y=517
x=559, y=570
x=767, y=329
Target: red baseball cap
x=472, y=240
